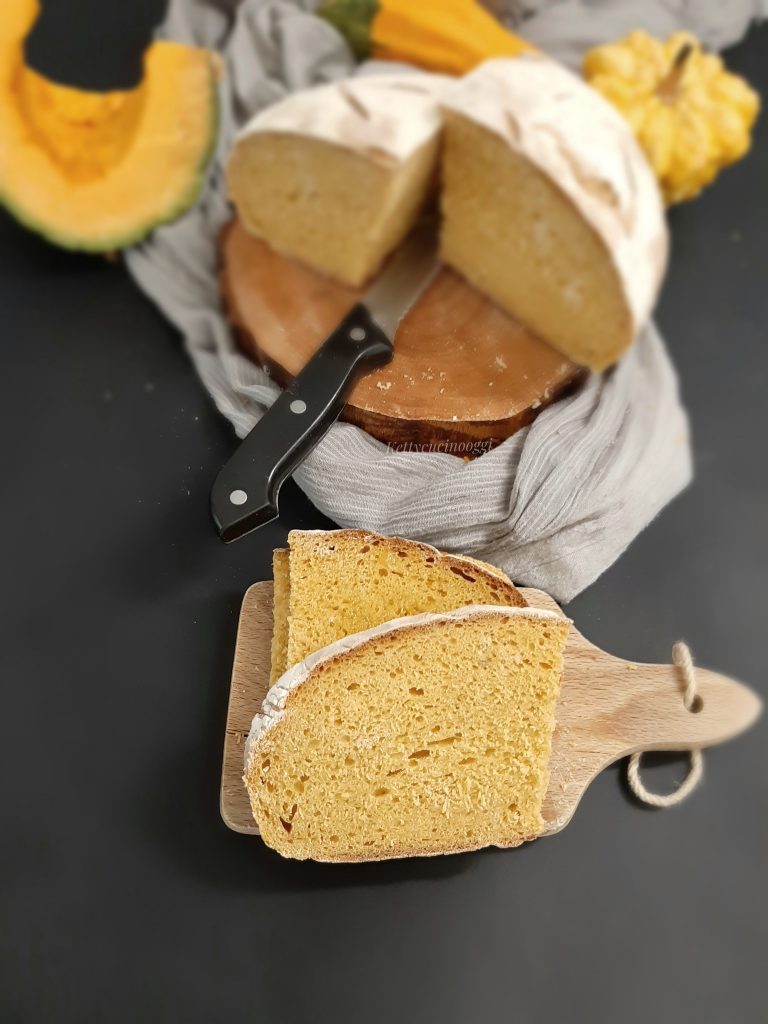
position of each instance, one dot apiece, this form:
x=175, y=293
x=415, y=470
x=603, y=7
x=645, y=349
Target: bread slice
x=430, y=734
x=550, y=207
x=342, y=581
x=335, y=176
x=280, y=599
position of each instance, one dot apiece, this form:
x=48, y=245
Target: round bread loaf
x=550, y=206
x=335, y=176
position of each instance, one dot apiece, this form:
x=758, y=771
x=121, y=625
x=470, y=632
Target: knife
x=245, y=493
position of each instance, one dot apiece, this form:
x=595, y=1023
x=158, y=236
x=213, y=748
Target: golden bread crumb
x=344, y=581
x=431, y=737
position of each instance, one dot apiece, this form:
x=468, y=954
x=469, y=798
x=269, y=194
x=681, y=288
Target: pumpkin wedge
x=99, y=170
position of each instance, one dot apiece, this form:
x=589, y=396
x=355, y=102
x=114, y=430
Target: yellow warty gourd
x=690, y=115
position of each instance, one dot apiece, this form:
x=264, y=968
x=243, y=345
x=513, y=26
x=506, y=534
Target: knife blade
x=245, y=493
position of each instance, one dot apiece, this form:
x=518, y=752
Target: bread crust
x=544, y=112
x=457, y=562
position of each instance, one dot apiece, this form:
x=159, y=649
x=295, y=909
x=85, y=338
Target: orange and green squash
x=98, y=171
x=452, y=36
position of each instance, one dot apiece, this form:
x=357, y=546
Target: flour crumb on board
x=383, y=385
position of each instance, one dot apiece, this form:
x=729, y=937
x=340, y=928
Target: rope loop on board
x=683, y=661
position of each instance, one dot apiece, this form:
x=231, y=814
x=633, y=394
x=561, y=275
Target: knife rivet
x=238, y=497
x=298, y=406
x=357, y=333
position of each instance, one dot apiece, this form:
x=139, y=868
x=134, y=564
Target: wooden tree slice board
x=463, y=370
x=608, y=708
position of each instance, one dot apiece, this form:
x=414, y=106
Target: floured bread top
x=273, y=707
x=384, y=116
x=575, y=137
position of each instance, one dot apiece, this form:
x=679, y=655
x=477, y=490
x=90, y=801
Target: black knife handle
x=296, y=421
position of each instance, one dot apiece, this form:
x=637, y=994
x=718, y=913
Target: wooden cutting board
x=608, y=708
x=464, y=372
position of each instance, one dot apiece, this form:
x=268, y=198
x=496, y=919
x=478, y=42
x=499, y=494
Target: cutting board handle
x=653, y=715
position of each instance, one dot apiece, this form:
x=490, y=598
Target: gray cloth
x=559, y=501
x=567, y=28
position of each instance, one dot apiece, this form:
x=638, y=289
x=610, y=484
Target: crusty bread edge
x=458, y=561
x=375, y=854
x=279, y=629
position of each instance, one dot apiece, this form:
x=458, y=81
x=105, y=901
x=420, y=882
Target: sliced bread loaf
x=335, y=176
x=550, y=206
x=429, y=734
x=341, y=581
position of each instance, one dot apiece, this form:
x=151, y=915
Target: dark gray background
x=122, y=894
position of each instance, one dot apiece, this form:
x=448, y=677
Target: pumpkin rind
x=98, y=171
